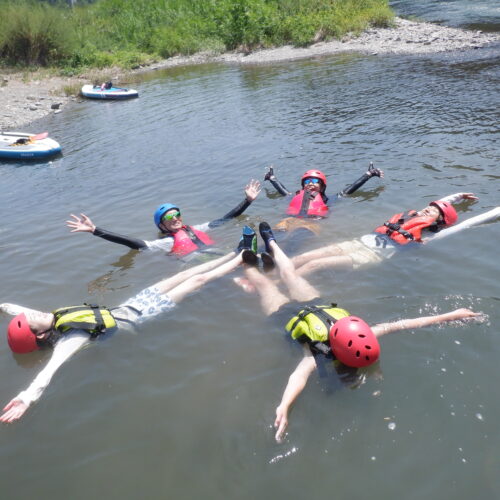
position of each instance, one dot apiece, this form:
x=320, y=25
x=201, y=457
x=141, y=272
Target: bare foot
x=244, y=284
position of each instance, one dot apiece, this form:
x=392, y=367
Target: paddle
x=39, y=137
x=29, y=139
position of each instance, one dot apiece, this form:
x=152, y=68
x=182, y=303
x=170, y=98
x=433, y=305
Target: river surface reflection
x=183, y=408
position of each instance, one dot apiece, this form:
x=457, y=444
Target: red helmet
x=20, y=337
x=447, y=211
x=318, y=174
x=353, y=342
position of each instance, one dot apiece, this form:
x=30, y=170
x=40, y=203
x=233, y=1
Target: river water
x=184, y=408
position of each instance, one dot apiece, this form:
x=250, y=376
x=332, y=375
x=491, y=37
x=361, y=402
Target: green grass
x=128, y=33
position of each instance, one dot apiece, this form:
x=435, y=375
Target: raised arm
x=83, y=224
x=296, y=383
x=275, y=182
x=371, y=172
x=63, y=350
x=411, y=323
x=252, y=190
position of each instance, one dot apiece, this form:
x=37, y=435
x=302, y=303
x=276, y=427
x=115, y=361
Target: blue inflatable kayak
x=98, y=92
x=23, y=145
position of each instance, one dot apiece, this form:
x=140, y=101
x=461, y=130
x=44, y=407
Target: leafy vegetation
x=131, y=32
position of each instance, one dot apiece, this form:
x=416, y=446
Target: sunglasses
x=171, y=216
x=311, y=180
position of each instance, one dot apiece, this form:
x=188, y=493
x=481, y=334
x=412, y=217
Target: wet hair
x=50, y=340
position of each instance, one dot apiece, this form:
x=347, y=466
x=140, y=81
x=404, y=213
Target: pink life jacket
x=187, y=240
x=305, y=203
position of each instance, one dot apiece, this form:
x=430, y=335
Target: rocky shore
x=25, y=99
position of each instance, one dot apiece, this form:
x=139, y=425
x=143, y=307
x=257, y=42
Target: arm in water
x=371, y=172
x=296, y=384
x=63, y=350
x=276, y=183
x=252, y=190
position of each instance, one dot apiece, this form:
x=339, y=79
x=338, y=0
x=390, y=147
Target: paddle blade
x=39, y=137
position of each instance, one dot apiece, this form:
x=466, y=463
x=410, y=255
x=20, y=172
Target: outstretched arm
x=455, y=198
x=275, y=182
x=34, y=317
x=14, y=309
x=473, y=221
x=83, y=224
x=252, y=190
x=296, y=383
x=63, y=350
x=408, y=324
x=371, y=172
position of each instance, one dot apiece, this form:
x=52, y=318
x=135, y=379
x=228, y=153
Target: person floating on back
x=177, y=237
x=402, y=230
x=325, y=331
x=68, y=329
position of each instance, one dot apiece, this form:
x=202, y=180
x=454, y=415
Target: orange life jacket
x=187, y=240
x=305, y=203
x=406, y=227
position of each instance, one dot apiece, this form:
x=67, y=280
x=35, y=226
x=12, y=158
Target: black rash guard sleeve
x=355, y=185
x=238, y=210
x=120, y=239
x=372, y=172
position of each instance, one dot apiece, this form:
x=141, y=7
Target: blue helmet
x=161, y=211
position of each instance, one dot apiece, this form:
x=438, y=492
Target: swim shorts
x=146, y=304
x=360, y=254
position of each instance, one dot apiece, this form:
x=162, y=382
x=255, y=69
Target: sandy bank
x=22, y=102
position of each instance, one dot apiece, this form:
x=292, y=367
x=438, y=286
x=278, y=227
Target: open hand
x=83, y=225
x=281, y=423
x=13, y=411
x=462, y=313
x=252, y=190
x=469, y=196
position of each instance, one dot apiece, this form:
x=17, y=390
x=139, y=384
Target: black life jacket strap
x=100, y=326
x=193, y=237
x=395, y=227
x=328, y=320
x=306, y=201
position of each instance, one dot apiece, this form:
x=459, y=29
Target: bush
x=128, y=32
x=34, y=34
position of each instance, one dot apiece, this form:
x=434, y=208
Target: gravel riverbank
x=23, y=100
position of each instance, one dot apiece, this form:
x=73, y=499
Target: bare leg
x=336, y=261
x=196, y=281
x=318, y=253
x=299, y=288
x=271, y=299
x=168, y=283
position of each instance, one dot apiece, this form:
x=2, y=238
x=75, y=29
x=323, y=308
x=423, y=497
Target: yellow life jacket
x=88, y=317
x=312, y=324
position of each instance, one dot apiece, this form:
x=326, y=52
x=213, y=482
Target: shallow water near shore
x=183, y=409
x=479, y=14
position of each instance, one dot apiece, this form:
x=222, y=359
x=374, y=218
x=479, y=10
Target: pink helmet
x=318, y=174
x=353, y=342
x=447, y=211
x=20, y=337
